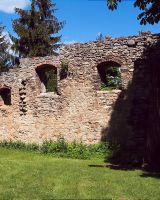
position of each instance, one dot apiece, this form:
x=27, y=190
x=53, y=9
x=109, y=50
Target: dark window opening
x=5, y=96
x=48, y=78
x=110, y=75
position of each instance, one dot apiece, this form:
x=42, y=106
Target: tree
x=6, y=59
x=35, y=29
x=100, y=37
x=150, y=10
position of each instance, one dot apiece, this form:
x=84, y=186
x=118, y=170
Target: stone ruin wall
x=80, y=111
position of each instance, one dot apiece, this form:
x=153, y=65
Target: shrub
x=19, y=145
x=113, y=79
x=61, y=148
x=64, y=69
x=74, y=149
x=54, y=147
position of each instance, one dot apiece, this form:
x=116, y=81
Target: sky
x=85, y=19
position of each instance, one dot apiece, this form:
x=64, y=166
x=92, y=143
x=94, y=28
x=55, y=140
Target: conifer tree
x=100, y=37
x=35, y=29
x=5, y=57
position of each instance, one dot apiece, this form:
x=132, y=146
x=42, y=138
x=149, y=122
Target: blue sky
x=85, y=19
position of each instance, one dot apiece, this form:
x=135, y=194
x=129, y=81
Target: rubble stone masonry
x=80, y=110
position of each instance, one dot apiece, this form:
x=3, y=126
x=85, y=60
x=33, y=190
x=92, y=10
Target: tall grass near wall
x=61, y=148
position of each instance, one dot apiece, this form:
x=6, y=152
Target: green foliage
x=51, y=83
x=113, y=78
x=6, y=59
x=104, y=87
x=48, y=76
x=35, y=29
x=61, y=148
x=112, y=4
x=64, y=69
x=19, y=145
x=74, y=150
x=150, y=10
x=54, y=147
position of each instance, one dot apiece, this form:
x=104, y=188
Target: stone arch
x=113, y=58
x=47, y=74
x=5, y=96
x=42, y=64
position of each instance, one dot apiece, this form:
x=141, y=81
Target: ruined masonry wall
x=80, y=111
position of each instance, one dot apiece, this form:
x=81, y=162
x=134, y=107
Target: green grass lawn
x=27, y=175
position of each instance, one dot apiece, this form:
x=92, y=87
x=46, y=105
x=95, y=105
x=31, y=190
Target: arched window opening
x=110, y=75
x=48, y=78
x=5, y=96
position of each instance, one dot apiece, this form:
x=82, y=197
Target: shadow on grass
x=146, y=173
x=133, y=133
x=150, y=175
x=111, y=166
